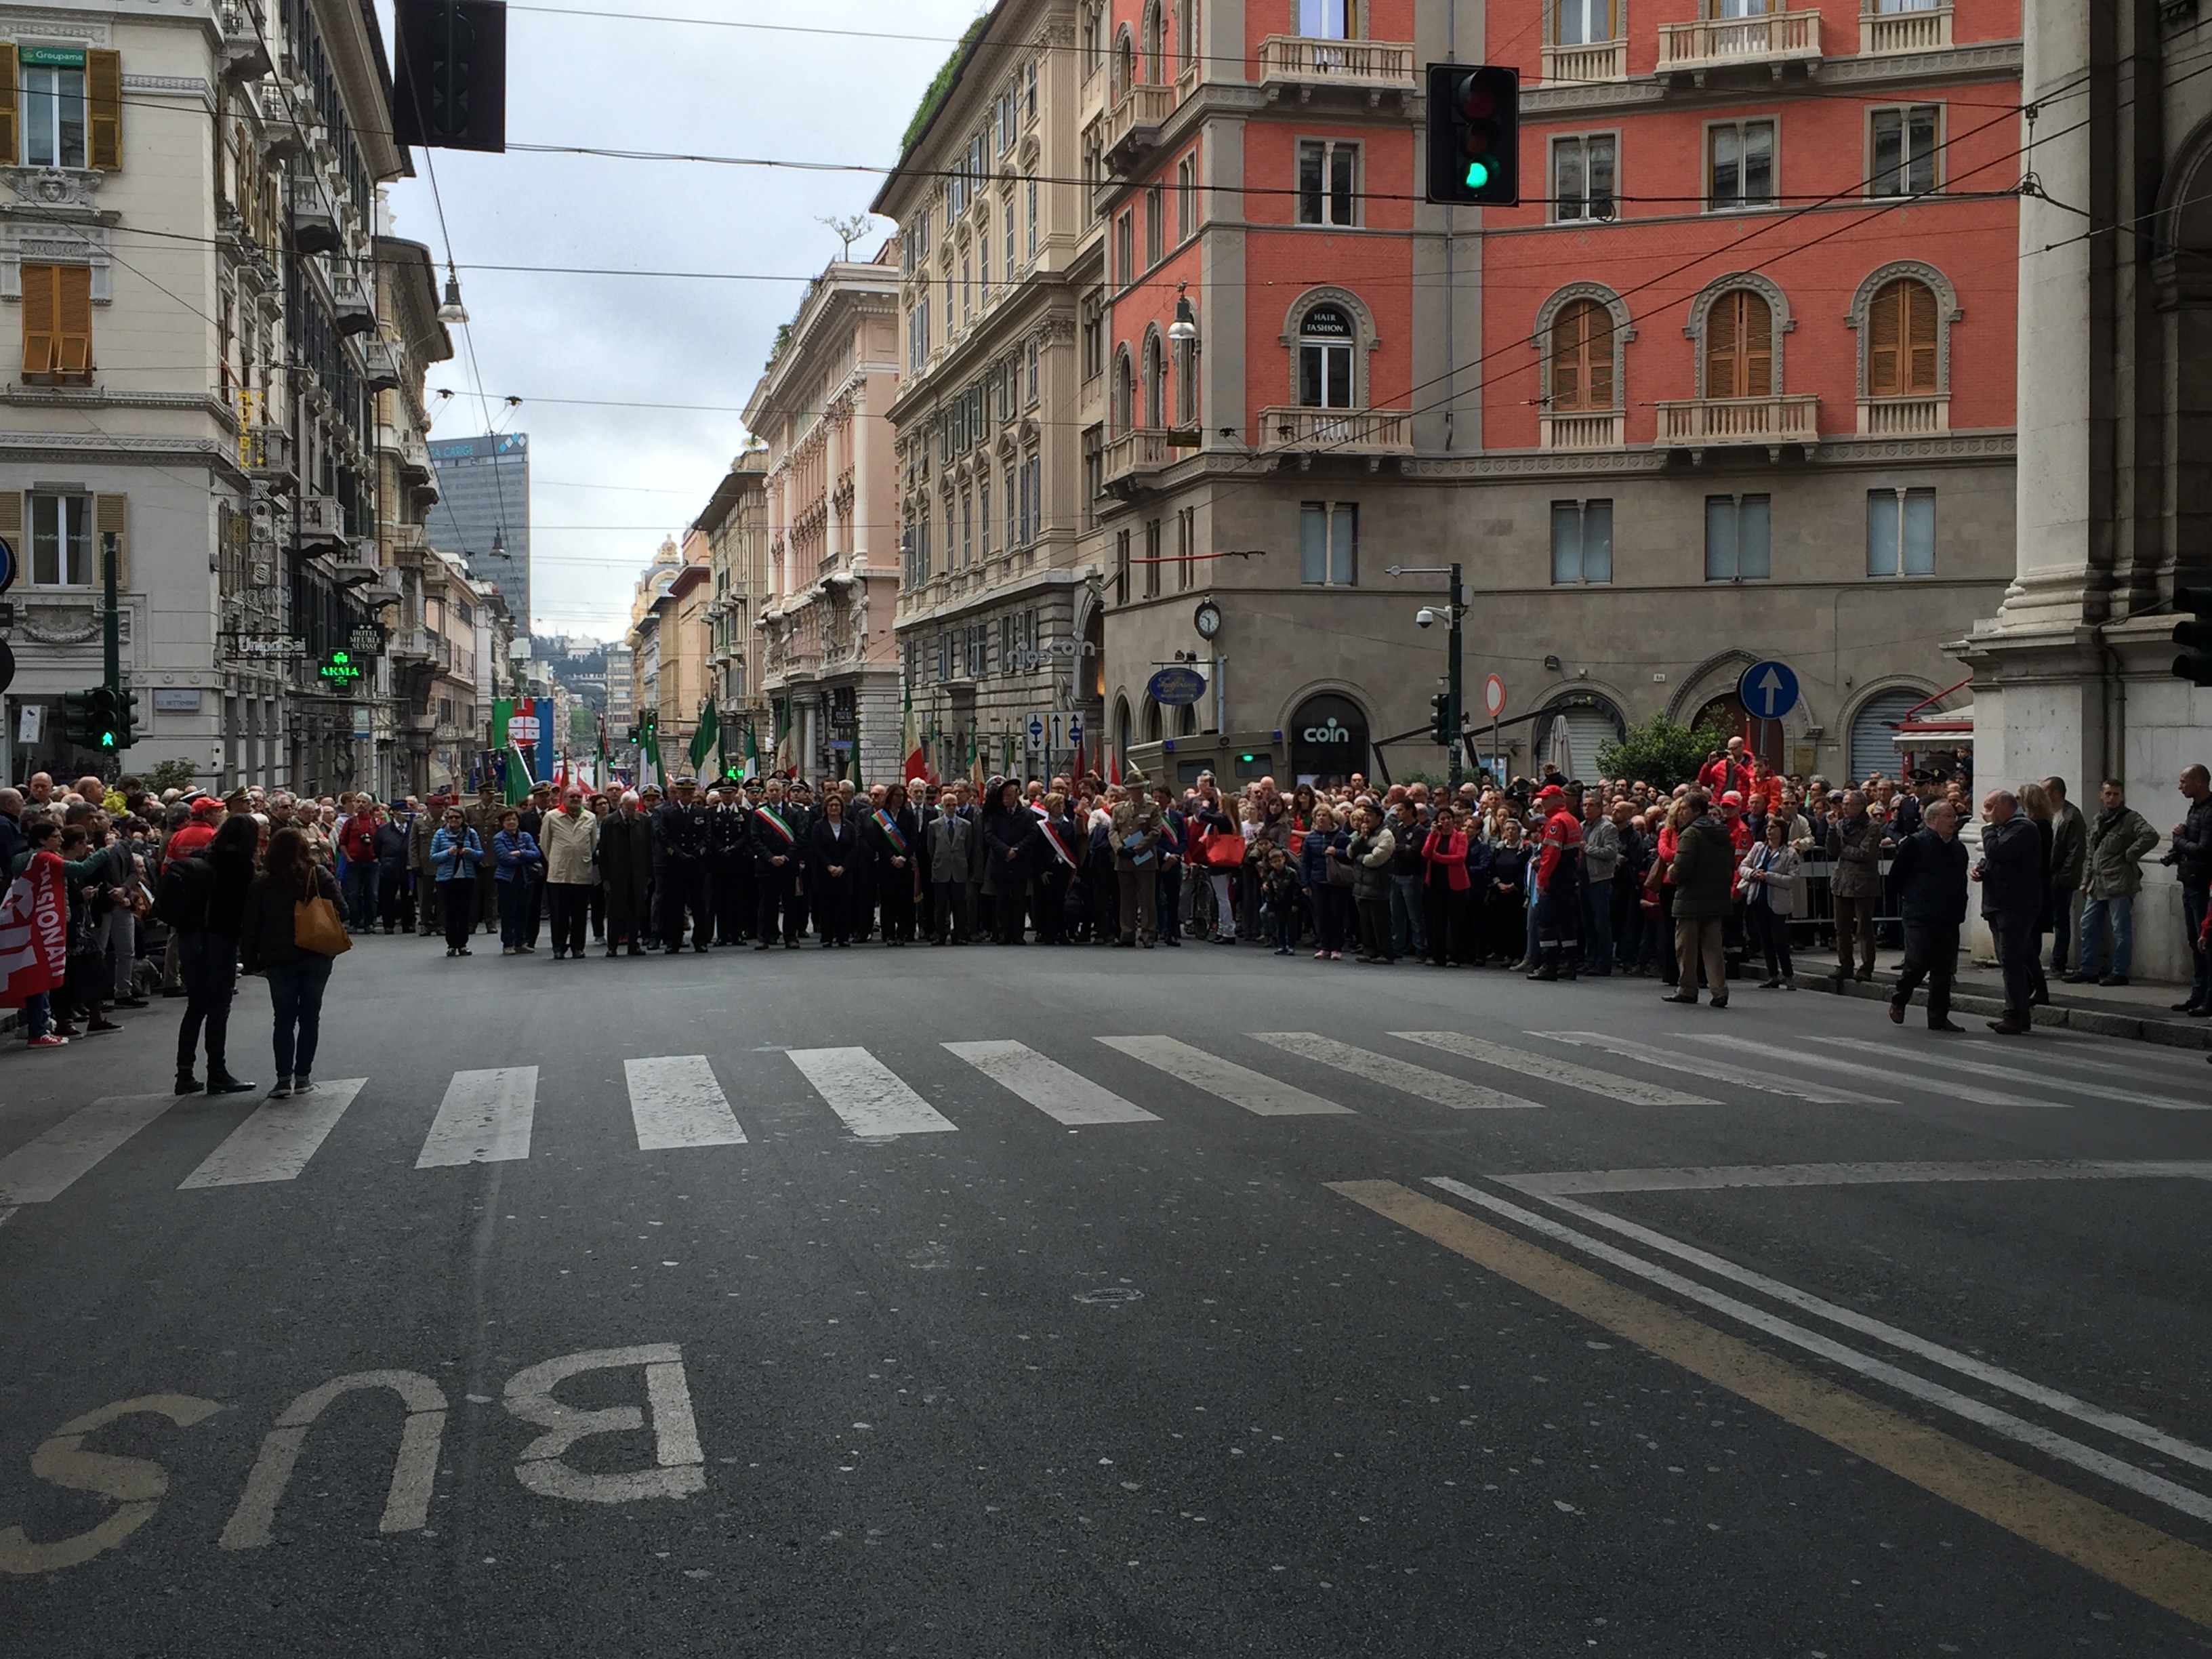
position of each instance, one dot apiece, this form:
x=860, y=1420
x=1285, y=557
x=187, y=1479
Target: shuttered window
x=1739, y=346
x=1901, y=343
x=103, y=95
x=1873, y=730
x=56, y=324
x=11, y=130
x=1581, y=358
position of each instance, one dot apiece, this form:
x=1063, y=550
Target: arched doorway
x=1121, y=729
x=1767, y=739
x=1328, y=740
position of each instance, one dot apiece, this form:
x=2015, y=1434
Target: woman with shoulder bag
x=1768, y=881
x=291, y=933
x=1329, y=882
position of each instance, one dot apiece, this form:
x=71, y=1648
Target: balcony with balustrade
x=1773, y=41
x=1367, y=433
x=1303, y=66
x=1698, y=424
x=1131, y=460
x=1886, y=28
x=1130, y=125
x=1584, y=63
x=1582, y=430
x=1903, y=417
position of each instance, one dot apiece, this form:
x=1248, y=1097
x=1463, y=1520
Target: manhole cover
x=1111, y=1293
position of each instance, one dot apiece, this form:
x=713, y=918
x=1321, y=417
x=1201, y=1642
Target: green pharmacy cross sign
x=340, y=668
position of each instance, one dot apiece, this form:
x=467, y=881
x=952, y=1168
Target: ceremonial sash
x=778, y=824
x=889, y=825
x=1058, y=845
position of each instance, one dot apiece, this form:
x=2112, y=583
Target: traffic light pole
x=111, y=632
x=1456, y=709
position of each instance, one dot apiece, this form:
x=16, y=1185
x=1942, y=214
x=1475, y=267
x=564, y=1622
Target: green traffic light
x=1478, y=174
x=107, y=740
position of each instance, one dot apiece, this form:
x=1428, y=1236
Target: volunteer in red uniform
x=1559, y=883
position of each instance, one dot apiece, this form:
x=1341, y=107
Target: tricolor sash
x=889, y=825
x=777, y=824
x=1051, y=834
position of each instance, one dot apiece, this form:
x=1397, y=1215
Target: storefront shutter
x=1873, y=748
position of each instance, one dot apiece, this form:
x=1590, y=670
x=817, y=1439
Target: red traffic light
x=1477, y=101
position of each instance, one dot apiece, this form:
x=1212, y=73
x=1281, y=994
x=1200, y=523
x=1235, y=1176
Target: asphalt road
x=1136, y=1333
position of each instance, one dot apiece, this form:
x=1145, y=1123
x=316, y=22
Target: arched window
x=1155, y=382
x=1125, y=392
x=1581, y=358
x=1153, y=732
x=1902, y=353
x=1125, y=66
x=1155, y=43
x=1121, y=728
x=1739, y=346
x=1327, y=339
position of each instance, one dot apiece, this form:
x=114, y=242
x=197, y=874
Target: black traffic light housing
x=2195, y=664
x=1440, y=730
x=80, y=727
x=449, y=83
x=109, y=710
x=1474, y=134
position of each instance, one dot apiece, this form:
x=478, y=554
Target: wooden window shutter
x=1597, y=341
x=1722, y=357
x=1567, y=359
x=39, y=283
x=1920, y=339
x=103, y=110
x=1757, y=327
x=11, y=521
x=11, y=129
x=111, y=515
x=72, y=321
x=1884, y=321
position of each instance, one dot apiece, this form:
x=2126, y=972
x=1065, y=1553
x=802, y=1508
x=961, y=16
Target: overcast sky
x=609, y=483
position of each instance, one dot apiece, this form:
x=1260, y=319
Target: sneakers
x=102, y=1026
x=281, y=1090
x=49, y=1041
x=303, y=1085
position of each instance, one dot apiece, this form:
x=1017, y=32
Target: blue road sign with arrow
x=1768, y=691
x=7, y=564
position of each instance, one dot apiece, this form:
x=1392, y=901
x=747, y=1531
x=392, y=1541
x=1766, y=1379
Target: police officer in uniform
x=682, y=833
x=730, y=858
x=776, y=833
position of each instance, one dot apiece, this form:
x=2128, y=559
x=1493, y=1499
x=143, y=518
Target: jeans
x=1931, y=952
x=513, y=923
x=38, y=1017
x=2121, y=911
x=1409, y=933
x=2194, y=901
x=296, y=997
x=360, y=883
x=1224, y=917
x=210, y=965
x=123, y=951
x=1597, y=915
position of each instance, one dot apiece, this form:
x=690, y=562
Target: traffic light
x=1474, y=134
x=1440, y=732
x=110, y=717
x=80, y=727
x=2194, y=665
x=449, y=88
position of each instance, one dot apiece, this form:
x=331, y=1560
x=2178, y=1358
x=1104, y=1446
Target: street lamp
x=1184, y=330
x=453, y=314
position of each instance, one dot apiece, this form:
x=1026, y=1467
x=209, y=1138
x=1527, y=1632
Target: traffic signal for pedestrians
x=449, y=87
x=1474, y=134
x=108, y=718
x=2195, y=664
x=1440, y=730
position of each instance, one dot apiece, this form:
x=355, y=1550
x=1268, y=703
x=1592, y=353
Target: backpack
x=181, y=901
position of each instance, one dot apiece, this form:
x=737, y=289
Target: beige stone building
x=828, y=653
x=735, y=525
x=998, y=626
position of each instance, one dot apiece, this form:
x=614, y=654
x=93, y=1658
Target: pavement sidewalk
x=2142, y=1011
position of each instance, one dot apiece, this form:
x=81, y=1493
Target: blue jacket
x=1930, y=876
x=1312, y=857
x=455, y=859
x=515, y=852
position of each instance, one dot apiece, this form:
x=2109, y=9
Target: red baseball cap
x=1732, y=798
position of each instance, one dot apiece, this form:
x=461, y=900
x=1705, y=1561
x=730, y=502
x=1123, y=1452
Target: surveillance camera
x=1425, y=616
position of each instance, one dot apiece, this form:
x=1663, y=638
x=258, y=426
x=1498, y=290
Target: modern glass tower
x=483, y=511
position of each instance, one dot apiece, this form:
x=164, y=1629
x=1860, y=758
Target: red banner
x=33, y=932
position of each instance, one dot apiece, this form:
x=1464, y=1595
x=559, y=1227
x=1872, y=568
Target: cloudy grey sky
x=608, y=482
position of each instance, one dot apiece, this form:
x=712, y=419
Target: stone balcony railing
x=1582, y=431
x=1372, y=432
x=1138, y=453
x=1131, y=123
x=1591, y=61
x=1774, y=39
x=1304, y=63
x=1927, y=29
x=1903, y=417
x=1707, y=423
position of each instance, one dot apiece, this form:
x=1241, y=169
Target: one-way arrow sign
x=1768, y=691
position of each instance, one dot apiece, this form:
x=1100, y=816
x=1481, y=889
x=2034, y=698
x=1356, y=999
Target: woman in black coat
x=1009, y=836
x=895, y=852
x=203, y=900
x=1505, y=902
x=297, y=978
x=833, y=870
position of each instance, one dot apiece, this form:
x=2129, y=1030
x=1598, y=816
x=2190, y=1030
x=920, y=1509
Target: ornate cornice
x=1981, y=61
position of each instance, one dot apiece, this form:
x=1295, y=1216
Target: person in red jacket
x=1559, y=883
x=207, y=817
x=357, y=844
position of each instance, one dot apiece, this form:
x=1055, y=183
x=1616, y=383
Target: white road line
x=276, y=1143
x=43, y=1169
x=4, y=1214
x=1239, y=1086
x=676, y=1101
x=1717, y=1177
x=862, y=1089
x=2171, y=1493
x=1920, y=1055
x=1634, y=1091
x=1062, y=1095
x=484, y=1119
x=1905, y=1341
x=1767, y=1082
x=1886, y=1074
x=1416, y=1081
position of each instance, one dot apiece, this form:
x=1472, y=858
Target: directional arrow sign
x=1768, y=691
x=1036, y=730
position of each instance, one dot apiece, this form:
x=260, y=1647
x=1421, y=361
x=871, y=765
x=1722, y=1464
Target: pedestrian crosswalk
x=1124, y=1085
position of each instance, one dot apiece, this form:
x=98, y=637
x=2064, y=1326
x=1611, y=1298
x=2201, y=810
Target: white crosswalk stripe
x=1257, y=1093
x=867, y=1094
x=1636, y=1091
x=1983, y=1069
x=42, y=1169
x=276, y=1143
x=1392, y=1072
x=1790, y=1088
x=675, y=1102
x=485, y=1118
x=1064, y=1096
x=1885, y=1074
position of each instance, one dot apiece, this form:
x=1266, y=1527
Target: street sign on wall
x=1176, y=688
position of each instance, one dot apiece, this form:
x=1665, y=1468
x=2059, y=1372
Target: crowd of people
x=1549, y=877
